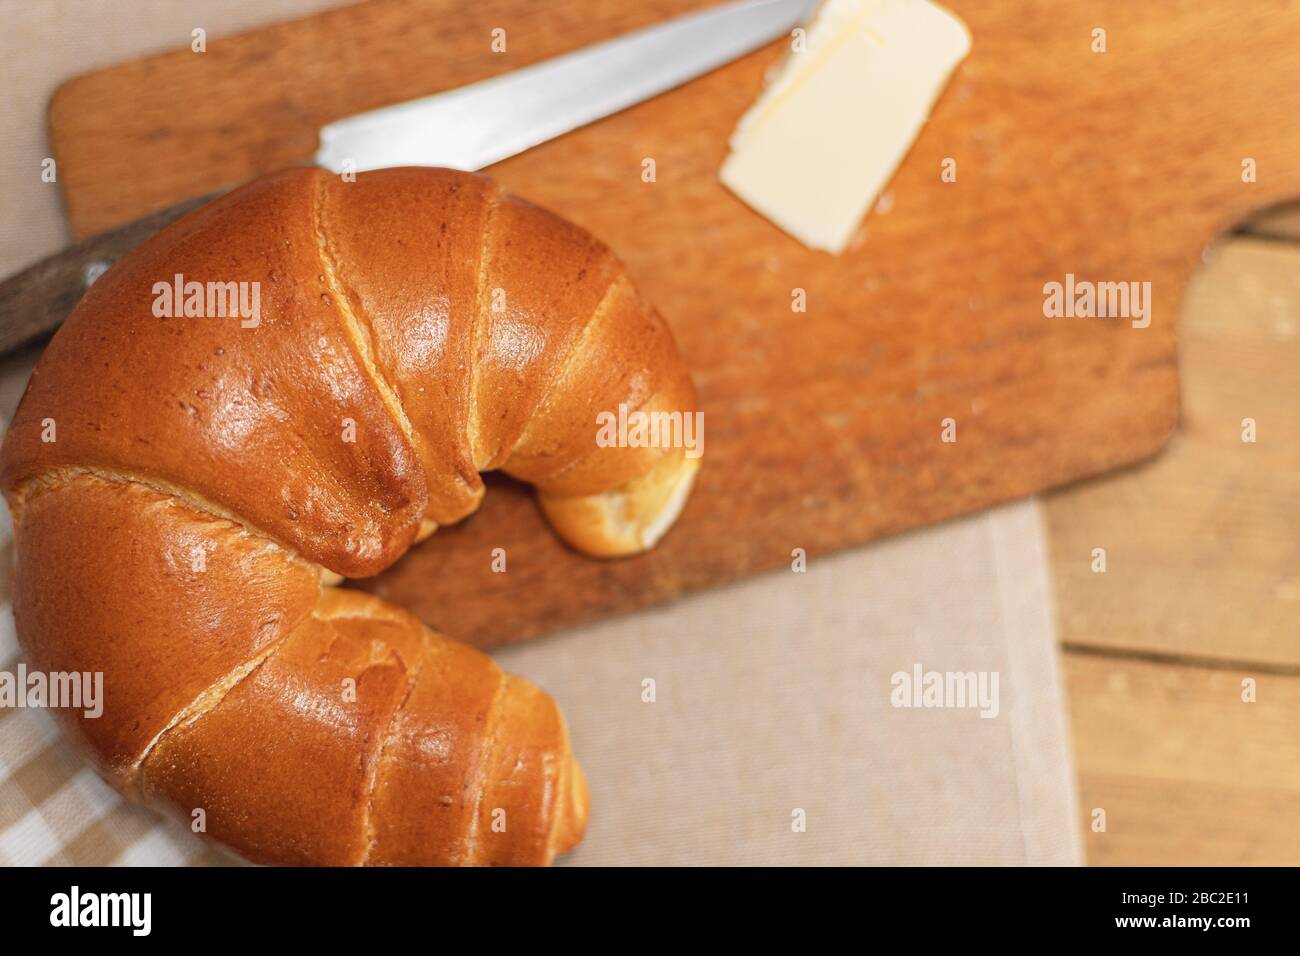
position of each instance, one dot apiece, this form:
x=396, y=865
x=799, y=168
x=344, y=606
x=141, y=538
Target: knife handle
x=35, y=301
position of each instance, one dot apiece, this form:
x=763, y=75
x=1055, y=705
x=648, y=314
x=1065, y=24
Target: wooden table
x=1201, y=592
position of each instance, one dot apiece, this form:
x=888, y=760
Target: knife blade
x=466, y=128
x=483, y=123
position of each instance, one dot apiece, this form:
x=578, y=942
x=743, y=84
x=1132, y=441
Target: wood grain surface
x=1185, y=770
x=822, y=428
x=1201, y=591
x=1203, y=544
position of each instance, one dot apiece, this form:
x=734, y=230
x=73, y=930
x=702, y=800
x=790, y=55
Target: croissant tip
x=630, y=519
x=573, y=819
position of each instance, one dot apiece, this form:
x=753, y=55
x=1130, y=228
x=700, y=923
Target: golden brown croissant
x=186, y=488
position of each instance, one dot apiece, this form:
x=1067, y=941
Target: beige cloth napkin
x=774, y=695
x=771, y=697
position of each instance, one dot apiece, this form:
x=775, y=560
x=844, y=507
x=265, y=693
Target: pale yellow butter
x=827, y=134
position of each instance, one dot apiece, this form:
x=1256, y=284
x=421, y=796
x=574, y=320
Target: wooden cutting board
x=823, y=428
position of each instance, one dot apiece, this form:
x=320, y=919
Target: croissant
x=187, y=490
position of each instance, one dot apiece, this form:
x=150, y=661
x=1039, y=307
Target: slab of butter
x=833, y=124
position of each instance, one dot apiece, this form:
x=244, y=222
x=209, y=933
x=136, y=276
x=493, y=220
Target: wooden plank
x=1186, y=772
x=822, y=428
x=1203, y=544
